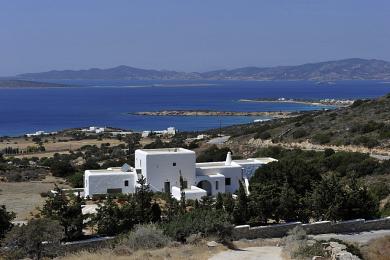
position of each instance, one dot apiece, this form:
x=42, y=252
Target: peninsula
x=276, y=114
x=320, y=102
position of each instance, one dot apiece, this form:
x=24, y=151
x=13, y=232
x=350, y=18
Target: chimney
x=228, y=159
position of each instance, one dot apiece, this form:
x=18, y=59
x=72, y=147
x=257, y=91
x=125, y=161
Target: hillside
x=366, y=123
x=348, y=69
x=27, y=84
x=117, y=73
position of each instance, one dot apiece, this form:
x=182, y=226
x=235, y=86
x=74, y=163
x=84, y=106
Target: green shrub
x=322, y=138
x=206, y=222
x=263, y=135
x=299, y=133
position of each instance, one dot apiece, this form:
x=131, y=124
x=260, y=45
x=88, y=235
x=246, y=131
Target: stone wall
x=323, y=227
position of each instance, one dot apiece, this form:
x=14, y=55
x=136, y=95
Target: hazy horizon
x=189, y=35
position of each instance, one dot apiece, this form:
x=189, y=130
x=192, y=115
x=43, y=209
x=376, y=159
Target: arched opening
x=205, y=185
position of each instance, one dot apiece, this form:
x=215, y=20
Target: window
x=216, y=185
x=114, y=191
x=126, y=183
x=174, y=164
x=185, y=185
x=228, y=181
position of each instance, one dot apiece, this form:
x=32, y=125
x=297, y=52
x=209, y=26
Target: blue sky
x=188, y=35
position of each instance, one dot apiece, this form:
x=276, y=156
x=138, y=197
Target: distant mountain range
x=348, y=69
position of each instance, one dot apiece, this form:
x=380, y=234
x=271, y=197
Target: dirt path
x=251, y=253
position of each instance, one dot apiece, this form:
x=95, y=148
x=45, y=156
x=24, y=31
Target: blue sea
x=108, y=103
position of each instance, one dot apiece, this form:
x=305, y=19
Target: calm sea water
x=108, y=103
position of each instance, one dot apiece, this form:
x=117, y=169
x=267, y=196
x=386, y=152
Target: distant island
x=214, y=113
x=28, y=84
x=347, y=69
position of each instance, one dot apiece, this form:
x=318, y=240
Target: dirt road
x=251, y=253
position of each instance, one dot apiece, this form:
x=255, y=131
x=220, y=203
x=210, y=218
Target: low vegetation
x=365, y=123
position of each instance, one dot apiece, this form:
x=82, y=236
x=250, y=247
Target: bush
x=299, y=133
x=213, y=154
x=322, y=138
x=39, y=238
x=5, y=220
x=145, y=237
x=76, y=180
x=263, y=135
x=206, y=222
x=298, y=246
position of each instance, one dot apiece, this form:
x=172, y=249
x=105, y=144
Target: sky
x=188, y=35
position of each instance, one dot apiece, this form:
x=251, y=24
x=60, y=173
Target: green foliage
x=213, y=154
x=263, y=135
x=380, y=189
x=113, y=218
x=38, y=239
x=240, y=211
x=333, y=200
x=219, y=202
x=76, y=180
x=322, y=138
x=67, y=212
x=5, y=220
x=108, y=218
x=299, y=133
x=206, y=222
x=297, y=187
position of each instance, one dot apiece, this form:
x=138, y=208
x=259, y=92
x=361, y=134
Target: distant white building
x=170, y=131
x=94, y=129
x=39, y=133
x=163, y=169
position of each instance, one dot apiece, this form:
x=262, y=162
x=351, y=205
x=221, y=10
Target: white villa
x=162, y=169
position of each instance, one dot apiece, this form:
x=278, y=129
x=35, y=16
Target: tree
x=5, y=220
x=327, y=198
x=264, y=201
x=219, y=203
x=213, y=154
x=143, y=197
x=358, y=201
x=107, y=218
x=288, y=204
x=183, y=195
x=156, y=212
x=228, y=203
x=67, y=212
x=241, y=211
x=36, y=239
x=172, y=207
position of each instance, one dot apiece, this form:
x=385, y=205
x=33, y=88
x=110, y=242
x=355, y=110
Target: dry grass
x=24, y=197
x=377, y=249
x=192, y=252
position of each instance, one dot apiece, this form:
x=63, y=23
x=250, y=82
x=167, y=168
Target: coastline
x=324, y=102
x=277, y=114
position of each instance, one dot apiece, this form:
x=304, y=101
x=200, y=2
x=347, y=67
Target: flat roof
x=236, y=163
x=166, y=151
x=215, y=164
x=108, y=172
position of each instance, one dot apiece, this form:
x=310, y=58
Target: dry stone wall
x=323, y=227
